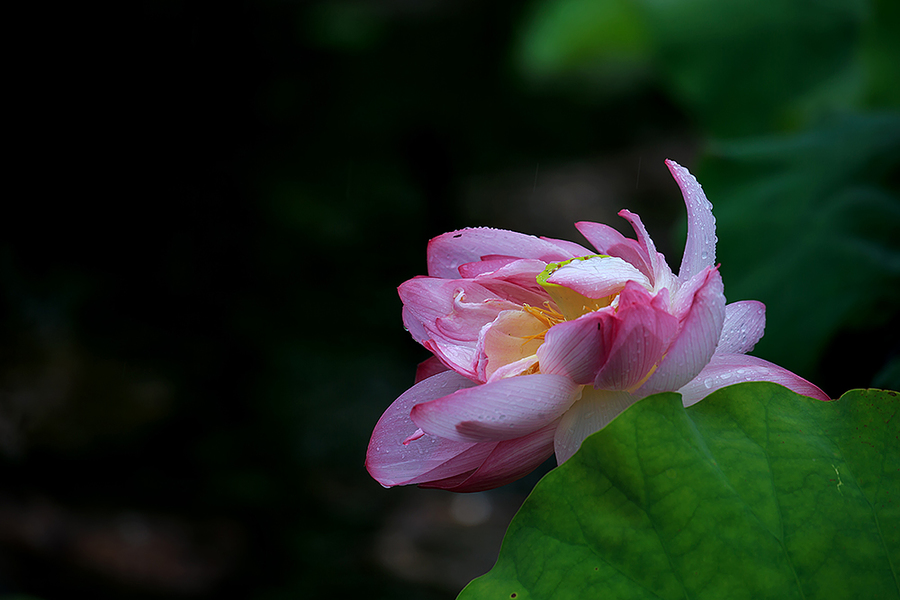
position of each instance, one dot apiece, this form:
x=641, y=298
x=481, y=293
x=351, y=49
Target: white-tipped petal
x=700, y=249
x=590, y=414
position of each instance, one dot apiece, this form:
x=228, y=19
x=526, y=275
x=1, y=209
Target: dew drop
x=708, y=382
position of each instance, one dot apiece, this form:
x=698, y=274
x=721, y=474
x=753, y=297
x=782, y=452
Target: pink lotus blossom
x=538, y=343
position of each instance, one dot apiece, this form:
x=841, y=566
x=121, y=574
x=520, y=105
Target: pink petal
x=598, y=276
x=744, y=324
x=510, y=460
x=700, y=249
x=522, y=273
x=728, y=369
x=448, y=251
x=661, y=274
x=577, y=348
x=391, y=462
x=644, y=329
x=446, y=316
x=683, y=298
x=454, y=309
x=696, y=342
x=414, y=326
x=458, y=468
x=481, y=267
x=590, y=414
x=501, y=410
x=428, y=367
x=609, y=241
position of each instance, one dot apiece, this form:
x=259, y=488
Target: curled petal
x=389, y=460
x=497, y=411
x=727, y=369
x=508, y=461
x=744, y=324
x=696, y=341
x=700, y=249
x=590, y=414
x=448, y=251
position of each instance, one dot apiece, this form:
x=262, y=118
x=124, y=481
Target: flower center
x=548, y=316
x=571, y=304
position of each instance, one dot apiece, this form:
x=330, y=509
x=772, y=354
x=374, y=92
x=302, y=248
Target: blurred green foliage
x=809, y=225
x=199, y=310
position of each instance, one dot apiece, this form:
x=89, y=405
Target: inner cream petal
x=513, y=336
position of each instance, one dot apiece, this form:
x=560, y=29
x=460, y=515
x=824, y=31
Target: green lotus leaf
x=755, y=492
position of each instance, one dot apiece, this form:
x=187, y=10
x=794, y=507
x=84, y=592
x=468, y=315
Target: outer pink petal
x=597, y=277
x=448, y=251
x=446, y=316
x=414, y=326
x=700, y=249
x=454, y=309
x=644, y=329
x=458, y=468
x=728, y=369
x=510, y=460
x=609, y=241
x=497, y=411
x=577, y=348
x=391, y=462
x=696, y=342
x=428, y=367
x=745, y=322
x=590, y=414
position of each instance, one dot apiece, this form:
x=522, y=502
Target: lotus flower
x=538, y=343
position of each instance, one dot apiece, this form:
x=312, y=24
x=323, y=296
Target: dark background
x=210, y=207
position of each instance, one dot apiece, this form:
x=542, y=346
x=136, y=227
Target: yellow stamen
x=571, y=304
x=548, y=316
